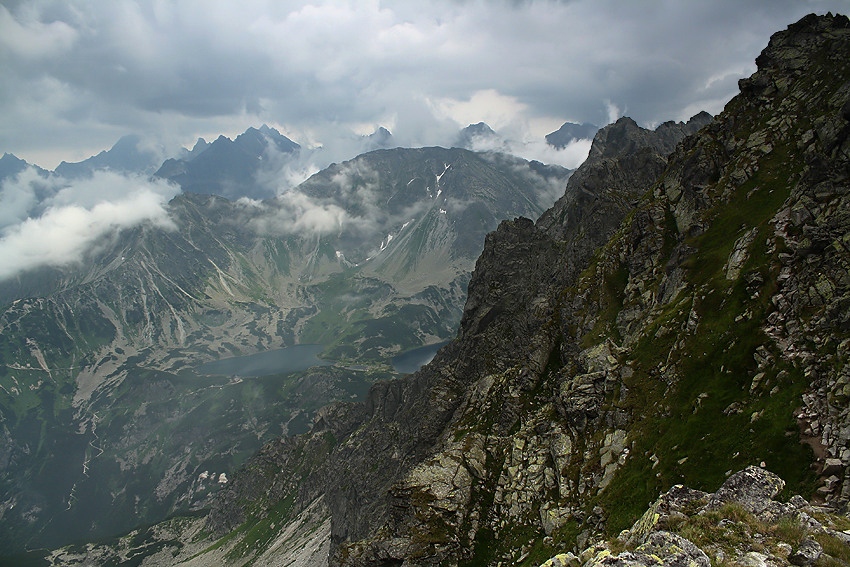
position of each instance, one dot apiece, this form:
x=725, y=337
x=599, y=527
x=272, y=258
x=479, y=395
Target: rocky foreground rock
x=739, y=524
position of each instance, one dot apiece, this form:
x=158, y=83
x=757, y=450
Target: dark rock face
x=671, y=318
x=570, y=132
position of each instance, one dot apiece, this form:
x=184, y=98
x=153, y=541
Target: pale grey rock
x=562, y=560
x=806, y=554
x=753, y=488
x=755, y=559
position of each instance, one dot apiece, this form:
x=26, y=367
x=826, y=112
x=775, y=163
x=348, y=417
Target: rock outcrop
x=740, y=524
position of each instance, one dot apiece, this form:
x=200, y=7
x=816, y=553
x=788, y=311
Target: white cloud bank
x=53, y=222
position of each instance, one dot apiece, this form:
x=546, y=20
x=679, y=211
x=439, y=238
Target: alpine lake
x=301, y=357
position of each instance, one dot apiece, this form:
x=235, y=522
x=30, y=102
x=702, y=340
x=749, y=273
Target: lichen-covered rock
x=674, y=550
x=676, y=502
x=719, y=528
x=662, y=549
x=562, y=560
x=752, y=488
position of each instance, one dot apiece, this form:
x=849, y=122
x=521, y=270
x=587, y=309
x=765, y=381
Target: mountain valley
x=107, y=424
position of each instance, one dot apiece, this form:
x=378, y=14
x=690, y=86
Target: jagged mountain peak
x=197, y=149
x=479, y=129
x=479, y=137
x=381, y=138
x=570, y=132
x=256, y=140
x=625, y=135
x=381, y=132
x=242, y=167
x=623, y=158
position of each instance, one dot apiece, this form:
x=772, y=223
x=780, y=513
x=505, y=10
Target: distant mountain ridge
x=127, y=155
x=11, y=165
x=249, y=166
x=569, y=132
x=229, y=167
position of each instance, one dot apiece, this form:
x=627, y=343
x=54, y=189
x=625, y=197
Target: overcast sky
x=75, y=75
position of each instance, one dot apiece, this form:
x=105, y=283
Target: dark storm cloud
x=79, y=74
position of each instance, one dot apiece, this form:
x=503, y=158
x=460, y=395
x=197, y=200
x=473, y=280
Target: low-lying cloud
x=296, y=213
x=348, y=205
x=55, y=222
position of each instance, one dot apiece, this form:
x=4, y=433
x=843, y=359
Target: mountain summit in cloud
x=128, y=155
x=232, y=168
x=571, y=132
x=478, y=137
x=380, y=139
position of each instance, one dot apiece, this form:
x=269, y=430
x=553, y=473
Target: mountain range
x=679, y=314
x=108, y=421
x=128, y=155
x=250, y=165
x=229, y=167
